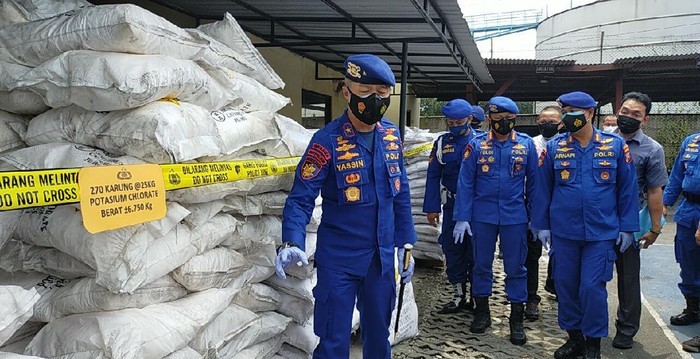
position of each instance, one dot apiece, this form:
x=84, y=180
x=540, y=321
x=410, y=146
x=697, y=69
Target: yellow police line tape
x=36, y=188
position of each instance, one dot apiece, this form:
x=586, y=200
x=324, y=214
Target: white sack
x=258, y=297
x=302, y=336
x=18, y=11
x=16, y=307
x=17, y=256
x=214, y=268
x=228, y=32
x=12, y=130
x=17, y=101
x=231, y=322
x=268, y=325
x=262, y=350
x=152, y=332
x=299, y=309
x=85, y=296
x=300, y=288
x=111, y=28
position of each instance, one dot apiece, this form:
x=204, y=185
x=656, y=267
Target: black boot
x=690, y=315
x=517, y=330
x=458, y=300
x=573, y=348
x=482, y=315
x=531, y=310
x=592, y=348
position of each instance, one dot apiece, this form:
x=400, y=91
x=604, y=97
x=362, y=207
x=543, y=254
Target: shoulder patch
x=468, y=151
x=540, y=161
x=628, y=155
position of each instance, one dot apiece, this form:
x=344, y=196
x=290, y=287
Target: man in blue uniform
x=586, y=198
x=356, y=162
x=497, y=174
x=685, y=180
x=440, y=188
x=478, y=118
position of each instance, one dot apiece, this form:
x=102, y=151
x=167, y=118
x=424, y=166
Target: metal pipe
x=404, y=89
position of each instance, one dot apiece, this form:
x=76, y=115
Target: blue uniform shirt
x=685, y=176
x=492, y=179
x=446, y=172
x=586, y=193
x=366, y=199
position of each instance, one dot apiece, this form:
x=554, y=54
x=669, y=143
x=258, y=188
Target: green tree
x=430, y=107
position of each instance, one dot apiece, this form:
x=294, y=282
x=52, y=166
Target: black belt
x=692, y=197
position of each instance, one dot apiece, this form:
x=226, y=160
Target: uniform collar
x=597, y=137
x=513, y=136
x=638, y=136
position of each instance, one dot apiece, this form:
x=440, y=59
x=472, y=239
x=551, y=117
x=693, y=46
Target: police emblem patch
x=397, y=184
x=352, y=194
x=605, y=175
x=467, y=151
x=485, y=168
x=309, y=170
x=565, y=174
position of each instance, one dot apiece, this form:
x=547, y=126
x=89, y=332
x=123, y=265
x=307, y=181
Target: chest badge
x=565, y=174
x=397, y=184
x=392, y=146
x=348, y=156
x=352, y=194
x=485, y=168
x=605, y=175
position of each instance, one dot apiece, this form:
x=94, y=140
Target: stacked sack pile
x=108, y=85
x=418, y=144
x=116, y=84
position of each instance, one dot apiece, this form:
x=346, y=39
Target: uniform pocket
x=688, y=160
x=609, y=264
x=323, y=311
x=352, y=187
x=518, y=164
x=565, y=171
x=605, y=171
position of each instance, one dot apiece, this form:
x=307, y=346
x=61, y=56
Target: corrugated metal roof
x=535, y=62
x=440, y=46
x=657, y=58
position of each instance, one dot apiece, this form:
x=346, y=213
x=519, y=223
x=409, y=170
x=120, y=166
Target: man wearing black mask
x=549, y=125
x=648, y=156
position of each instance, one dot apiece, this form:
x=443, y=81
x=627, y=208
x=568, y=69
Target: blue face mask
x=460, y=130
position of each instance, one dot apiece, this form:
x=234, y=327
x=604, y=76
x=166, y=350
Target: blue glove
x=545, y=236
x=625, y=240
x=407, y=274
x=460, y=228
x=288, y=256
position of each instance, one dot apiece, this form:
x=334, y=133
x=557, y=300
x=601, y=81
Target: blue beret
x=457, y=109
x=369, y=69
x=478, y=113
x=577, y=99
x=501, y=104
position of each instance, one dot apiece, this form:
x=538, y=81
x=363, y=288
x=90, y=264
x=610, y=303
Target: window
x=315, y=109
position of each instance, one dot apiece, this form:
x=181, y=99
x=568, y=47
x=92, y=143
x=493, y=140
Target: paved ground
x=447, y=336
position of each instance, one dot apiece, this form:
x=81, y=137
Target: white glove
x=545, y=236
x=460, y=228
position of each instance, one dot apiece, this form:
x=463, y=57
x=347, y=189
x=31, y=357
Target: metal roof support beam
x=619, y=85
x=346, y=41
x=369, y=32
x=423, y=10
x=317, y=19
x=404, y=89
x=505, y=86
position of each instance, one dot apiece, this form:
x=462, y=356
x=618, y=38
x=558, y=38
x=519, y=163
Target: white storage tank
x=626, y=28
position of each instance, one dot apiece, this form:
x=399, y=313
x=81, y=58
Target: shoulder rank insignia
x=628, y=155
x=348, y=156
x=468, y=151
x=348, y=130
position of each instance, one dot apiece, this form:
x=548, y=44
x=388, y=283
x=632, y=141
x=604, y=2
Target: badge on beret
x=565, y=174
x=352, y=194
x=354, y=70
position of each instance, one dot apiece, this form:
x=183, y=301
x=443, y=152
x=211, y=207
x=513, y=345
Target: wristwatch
x=286, y=245
x=652, y=230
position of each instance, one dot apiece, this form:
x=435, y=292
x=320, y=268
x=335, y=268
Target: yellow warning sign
x=119, y=196
x=23, y=189
x=185, y=175
x=416, y=150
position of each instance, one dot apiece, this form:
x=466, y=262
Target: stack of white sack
x=418, y=144
x=118, y=85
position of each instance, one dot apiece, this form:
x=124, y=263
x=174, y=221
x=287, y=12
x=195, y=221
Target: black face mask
x=503, y=126
x=369, y=109
x=574, y=121
x=476, y=125
x=548, y=130
x=627, y=124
